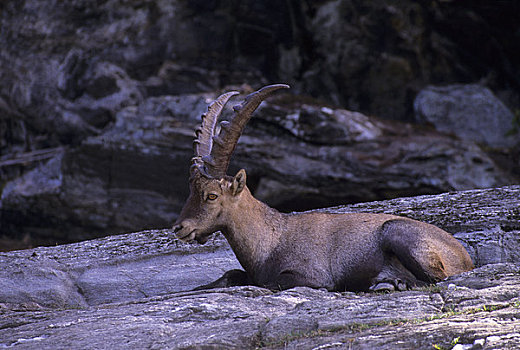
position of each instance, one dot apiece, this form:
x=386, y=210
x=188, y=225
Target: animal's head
x=214, y=196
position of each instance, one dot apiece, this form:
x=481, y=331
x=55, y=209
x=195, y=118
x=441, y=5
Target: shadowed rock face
x=68, y=68
x=132, y=290
x=298, y=157
x=111, y=91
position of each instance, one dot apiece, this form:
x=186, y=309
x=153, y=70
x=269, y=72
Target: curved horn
x=204, y=133
x=224, y=144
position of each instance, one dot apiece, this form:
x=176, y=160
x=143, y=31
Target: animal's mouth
x=186, y=236
x=194, y=235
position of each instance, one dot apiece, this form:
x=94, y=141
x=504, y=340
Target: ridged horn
x=203, y=141
x=224, y=144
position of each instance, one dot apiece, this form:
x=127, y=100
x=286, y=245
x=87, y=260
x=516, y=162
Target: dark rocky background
x=98, y=100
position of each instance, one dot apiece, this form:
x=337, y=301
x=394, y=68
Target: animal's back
x=327, y=250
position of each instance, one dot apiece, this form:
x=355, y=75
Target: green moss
x=431, y=288
x=352, y=328
x=360, y=327
x=515, y=127
x=454, y=342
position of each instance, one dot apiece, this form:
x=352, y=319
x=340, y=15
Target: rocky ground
x=132, y=291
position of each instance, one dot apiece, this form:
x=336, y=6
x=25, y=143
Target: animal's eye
x=212, y=196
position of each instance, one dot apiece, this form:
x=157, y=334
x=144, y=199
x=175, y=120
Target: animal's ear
x=239, y=182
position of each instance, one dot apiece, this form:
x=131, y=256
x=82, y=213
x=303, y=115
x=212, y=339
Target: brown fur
x=338, y=252
x=355, y=252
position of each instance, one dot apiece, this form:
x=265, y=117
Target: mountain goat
x=339, y=252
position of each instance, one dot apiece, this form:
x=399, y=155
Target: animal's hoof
x=389, y=286
x=400, y=285
x=382, y=287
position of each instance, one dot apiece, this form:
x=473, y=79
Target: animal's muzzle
x=182, y=232
x=176, y=228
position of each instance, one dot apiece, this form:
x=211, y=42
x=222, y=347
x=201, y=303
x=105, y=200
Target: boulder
x=133, y=291
x=375, y=56
x=471, y=112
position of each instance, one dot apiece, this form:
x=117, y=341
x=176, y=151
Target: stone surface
x=98, y=101
x=298, y=156
x=133, y=291
x=471, y=112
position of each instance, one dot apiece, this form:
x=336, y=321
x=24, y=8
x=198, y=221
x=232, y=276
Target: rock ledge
x=132, y=291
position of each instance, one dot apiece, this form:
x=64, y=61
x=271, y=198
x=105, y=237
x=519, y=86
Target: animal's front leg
x=231, y=278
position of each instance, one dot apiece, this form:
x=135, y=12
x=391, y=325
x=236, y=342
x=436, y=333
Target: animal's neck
x=255, y=232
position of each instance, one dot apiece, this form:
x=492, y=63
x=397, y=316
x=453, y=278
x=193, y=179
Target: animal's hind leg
x=415, y=248
x=394, y=276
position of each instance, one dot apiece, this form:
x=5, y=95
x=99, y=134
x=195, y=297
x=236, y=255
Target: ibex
x=338, y=252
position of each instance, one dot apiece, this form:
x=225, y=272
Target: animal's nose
x=176, y=228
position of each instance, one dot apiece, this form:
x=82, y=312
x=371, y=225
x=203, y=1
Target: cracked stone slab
x=300, y=318
x=110, y=269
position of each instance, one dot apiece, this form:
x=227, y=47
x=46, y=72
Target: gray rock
x=112, y=90
x=133, y=291
x=147, y=264
x=471, y=112
x=366, y=56
x=133, y=175
x=38, y=282
x=248, y=317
